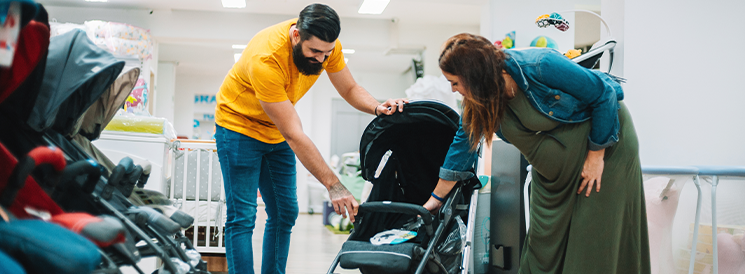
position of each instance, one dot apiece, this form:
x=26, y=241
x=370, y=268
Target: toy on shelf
x=554, y=19
x=509, y=40
x=573, y=53
x=544, y=42
x=137, y=100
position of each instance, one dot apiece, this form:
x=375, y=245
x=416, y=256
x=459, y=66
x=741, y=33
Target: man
x=259, y=132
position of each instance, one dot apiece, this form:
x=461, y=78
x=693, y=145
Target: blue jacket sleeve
x=599, y=94
x=459, y=159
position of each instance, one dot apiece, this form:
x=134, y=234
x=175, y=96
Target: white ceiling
x=211, y=56
x=452, y=12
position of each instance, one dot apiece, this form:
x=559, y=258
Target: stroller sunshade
x=77, y=73
x=103, y=110
x=385, y=132
x=418, y=139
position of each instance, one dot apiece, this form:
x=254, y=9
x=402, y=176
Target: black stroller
x=401, y=155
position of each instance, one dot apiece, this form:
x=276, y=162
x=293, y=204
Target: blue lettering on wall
x=204, y=99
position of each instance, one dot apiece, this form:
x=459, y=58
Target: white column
x=165, y=91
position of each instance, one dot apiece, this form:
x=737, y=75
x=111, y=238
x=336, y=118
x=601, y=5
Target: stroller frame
x=446, y=213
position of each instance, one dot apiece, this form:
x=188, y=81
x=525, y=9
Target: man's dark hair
x=320, y=21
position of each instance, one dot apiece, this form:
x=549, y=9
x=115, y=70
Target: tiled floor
x=312, y=249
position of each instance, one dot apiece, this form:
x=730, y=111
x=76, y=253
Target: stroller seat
x=401, y=155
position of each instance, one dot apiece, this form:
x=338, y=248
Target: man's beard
x=304, y=64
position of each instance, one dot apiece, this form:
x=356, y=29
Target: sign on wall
x=204, y=116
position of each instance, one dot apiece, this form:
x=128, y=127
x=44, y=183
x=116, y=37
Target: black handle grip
x=395, y=207
x=17, y=180
x=116, y=175
x=158, y=220
x=127, y=164
x=89, y=168
x=182, y=218
x=143, y=180
x=138, y=218
x=126, y=186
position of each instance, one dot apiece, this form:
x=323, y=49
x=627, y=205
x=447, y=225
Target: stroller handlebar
x=396, y=207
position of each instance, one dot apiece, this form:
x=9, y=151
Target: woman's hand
x=432, y=205
x=592, y=171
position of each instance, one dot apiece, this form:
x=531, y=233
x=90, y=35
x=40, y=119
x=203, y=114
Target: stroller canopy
x=95, y=119
x=418, y=138
x=103, y=110
x=77, y=73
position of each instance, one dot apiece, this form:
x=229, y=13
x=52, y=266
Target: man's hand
x=389, y=107
x=343, y=201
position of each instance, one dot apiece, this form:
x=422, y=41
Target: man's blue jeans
x=247, y=165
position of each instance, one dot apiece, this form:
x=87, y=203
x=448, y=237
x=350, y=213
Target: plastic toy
x=554, y=19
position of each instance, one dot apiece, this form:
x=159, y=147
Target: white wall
x=432, y=37
x=165, y=91
x=686, y=98
x=187, y=85
x=382, y=86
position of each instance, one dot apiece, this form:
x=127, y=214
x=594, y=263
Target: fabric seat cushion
x=377, y=258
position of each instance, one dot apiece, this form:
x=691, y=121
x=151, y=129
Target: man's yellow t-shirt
x=265, y=72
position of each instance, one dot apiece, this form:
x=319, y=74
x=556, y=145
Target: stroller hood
x=77, y=73
x=103, y=110
x=412, y=132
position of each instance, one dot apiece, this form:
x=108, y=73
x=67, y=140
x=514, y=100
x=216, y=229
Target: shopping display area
x=371, y=136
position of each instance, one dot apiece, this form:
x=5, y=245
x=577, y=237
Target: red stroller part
x=27, y=200
x=35, y=40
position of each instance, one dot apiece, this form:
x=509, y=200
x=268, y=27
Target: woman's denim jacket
x=558, y=88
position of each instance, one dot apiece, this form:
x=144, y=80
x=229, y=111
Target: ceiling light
x=348, y=51
x=236, y=57
x=96, y=0
x=372, y=6
x=239, y=46
x=236, y=4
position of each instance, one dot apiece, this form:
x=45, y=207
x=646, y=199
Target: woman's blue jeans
x=247, y=165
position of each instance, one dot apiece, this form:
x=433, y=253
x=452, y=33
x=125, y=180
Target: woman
x=569, y=124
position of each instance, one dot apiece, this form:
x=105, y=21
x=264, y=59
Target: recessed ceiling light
x=373, y=6
x=235, y=4
x=96, y=0
x=239, y=46
x=236, y=57
x=348, y=51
